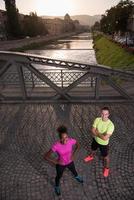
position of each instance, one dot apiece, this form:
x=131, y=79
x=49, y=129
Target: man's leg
x=106, y=161
x=94, y=147
x=104, y=152
x=71, y=167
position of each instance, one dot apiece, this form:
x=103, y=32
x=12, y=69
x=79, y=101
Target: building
x=54, y=26
x=58, y=26
x=68, y=24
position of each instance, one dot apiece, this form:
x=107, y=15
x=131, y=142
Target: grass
x=111, y=54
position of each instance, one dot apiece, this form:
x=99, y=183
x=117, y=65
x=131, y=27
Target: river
x=77, y=48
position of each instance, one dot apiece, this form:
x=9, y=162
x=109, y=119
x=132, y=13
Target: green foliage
x=110, y=54
x=96, y=26
x=117, y=17
x=33, y=25
x=97, y=36
x=13, y=25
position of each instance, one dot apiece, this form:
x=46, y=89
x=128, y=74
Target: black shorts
x=103, y=148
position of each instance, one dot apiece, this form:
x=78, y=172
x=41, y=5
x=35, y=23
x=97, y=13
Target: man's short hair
x=105, y=108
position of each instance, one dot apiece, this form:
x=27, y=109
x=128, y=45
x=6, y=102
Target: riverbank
x=31, y=43
x=111, y=54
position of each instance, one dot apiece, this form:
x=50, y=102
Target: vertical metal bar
x=61, y=78
x=91, y=81
x=97, y=85
x=33, y=85
x=22, y=82
x=2, y=83
x=2, y=97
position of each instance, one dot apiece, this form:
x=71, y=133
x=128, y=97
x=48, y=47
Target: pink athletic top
x=64, y=151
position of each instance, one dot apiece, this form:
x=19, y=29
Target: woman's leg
x=59, y=171
x=71, y=167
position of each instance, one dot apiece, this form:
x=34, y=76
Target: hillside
x=83, y=19
x=86, y=19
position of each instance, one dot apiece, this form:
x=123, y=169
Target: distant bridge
x=32, y=78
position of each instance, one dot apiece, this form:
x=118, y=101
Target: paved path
x=27, y=131
x=12, y=44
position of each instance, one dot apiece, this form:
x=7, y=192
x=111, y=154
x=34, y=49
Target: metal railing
x=62, y=78
x=25, y=77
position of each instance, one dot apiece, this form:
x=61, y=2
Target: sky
x=61, y=7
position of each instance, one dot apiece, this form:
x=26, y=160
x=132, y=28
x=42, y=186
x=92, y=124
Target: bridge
x=32, y=78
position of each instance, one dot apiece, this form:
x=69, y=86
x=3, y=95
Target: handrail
x=28, y=67
x=37, y=59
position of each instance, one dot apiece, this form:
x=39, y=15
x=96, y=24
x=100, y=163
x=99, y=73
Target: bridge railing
x=31, y=77
x=62, y=78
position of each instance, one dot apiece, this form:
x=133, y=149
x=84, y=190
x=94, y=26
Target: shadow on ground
x=27, y=131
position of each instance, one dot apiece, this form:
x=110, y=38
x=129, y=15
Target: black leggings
x=60, y=170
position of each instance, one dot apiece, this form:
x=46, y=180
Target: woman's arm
x=47, y=157
x=76, y=149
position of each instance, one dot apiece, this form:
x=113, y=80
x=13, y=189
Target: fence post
x=22, y=82
x=33, y=85
x=97, y=85
x=62, y=79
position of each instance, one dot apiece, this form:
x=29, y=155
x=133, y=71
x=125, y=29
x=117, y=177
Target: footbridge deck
x=27, y=131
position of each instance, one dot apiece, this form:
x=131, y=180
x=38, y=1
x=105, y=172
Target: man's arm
x=104, y=136
x=94, y=131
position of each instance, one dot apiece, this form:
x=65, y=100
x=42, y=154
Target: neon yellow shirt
x=103, y=127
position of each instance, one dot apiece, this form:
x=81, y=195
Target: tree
x=33, y=25
x=116, y=18
x=96, y=26
x=12, y=25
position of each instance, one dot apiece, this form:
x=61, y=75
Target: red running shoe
x=106, y=172
x=88, y=158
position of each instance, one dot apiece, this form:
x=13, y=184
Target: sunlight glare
x=53, y=7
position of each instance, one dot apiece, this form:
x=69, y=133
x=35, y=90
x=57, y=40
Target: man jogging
x=102, y=129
